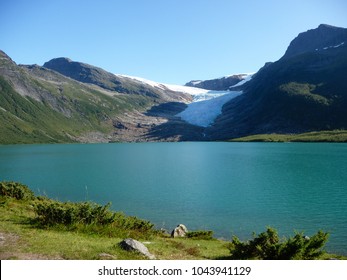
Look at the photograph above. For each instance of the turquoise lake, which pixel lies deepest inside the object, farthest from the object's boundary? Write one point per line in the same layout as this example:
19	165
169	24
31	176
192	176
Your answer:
230	188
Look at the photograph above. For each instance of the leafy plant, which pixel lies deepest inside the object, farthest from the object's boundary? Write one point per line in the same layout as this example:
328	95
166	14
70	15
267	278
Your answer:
16	190
53	212
90	218
200	234
268	246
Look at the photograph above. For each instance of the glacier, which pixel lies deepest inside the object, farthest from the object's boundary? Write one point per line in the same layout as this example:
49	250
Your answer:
206	105
203	113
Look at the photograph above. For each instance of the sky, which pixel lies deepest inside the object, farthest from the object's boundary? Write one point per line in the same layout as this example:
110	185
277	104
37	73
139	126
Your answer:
168	41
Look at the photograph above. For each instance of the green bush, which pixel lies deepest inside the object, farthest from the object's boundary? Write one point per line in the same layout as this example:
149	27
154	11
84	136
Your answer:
200	234
132	223
16	190
87	216
50	212
268	246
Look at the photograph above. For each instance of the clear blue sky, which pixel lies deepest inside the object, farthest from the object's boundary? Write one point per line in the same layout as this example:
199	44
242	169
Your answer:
171	41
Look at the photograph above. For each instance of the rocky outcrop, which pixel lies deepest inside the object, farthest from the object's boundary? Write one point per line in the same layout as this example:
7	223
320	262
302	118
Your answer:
179	231
130	244
223	83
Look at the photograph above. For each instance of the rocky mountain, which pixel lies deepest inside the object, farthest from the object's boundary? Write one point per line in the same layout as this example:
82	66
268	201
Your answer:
305	90
318	39
223	83
90	74
87	104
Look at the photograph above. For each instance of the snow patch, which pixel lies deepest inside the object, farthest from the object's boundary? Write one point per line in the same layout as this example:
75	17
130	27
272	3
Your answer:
336	46
339	45
178	88
243	75
246	78
196	82
204	113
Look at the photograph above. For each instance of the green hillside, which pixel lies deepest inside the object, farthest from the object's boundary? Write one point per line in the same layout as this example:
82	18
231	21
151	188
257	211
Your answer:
296	94
38	105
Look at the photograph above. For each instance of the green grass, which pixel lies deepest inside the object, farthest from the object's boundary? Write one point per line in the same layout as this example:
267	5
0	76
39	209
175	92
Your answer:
316	136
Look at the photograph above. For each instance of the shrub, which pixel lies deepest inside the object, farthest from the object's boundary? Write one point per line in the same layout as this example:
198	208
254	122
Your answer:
268	246
89	217
16	190
200	234
132	223
51	212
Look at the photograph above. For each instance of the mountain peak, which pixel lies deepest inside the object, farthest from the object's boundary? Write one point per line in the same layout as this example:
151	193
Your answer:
83	72
324	25
61	59
321	37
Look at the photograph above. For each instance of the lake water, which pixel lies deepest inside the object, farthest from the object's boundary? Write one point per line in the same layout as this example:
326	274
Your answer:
230	188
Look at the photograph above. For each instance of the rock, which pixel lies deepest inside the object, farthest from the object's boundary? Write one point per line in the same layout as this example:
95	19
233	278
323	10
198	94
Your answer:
179	231
130	244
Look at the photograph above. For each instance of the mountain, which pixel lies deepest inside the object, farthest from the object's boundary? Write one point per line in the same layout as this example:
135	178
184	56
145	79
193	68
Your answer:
303	91
83	103
69	101
224	83
90	74
324	36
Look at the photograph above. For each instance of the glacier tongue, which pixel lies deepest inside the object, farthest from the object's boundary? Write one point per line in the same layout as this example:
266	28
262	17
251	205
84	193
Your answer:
206	105
203	113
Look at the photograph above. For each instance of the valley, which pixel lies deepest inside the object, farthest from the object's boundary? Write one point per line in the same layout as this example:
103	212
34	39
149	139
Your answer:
68	101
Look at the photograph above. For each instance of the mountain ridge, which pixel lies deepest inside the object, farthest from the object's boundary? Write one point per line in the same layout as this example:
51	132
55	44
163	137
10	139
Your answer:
67	101
316	39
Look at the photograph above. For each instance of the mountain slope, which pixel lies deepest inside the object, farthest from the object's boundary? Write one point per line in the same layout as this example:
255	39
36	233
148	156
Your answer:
40	105
303	91
86	73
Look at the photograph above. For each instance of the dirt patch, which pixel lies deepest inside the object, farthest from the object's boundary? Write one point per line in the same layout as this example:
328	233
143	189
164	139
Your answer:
9	247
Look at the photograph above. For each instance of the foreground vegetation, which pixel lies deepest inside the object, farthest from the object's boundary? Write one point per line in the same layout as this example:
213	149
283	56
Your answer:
40	228
316	136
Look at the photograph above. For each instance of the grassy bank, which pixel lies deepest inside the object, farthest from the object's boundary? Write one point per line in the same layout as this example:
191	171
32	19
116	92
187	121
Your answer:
317	136
89	231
